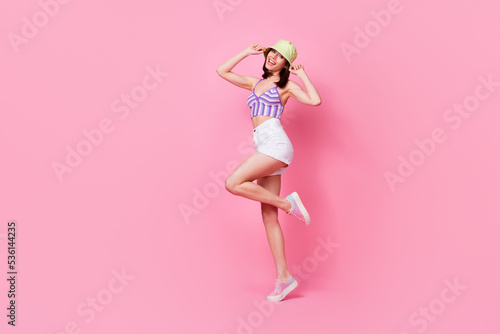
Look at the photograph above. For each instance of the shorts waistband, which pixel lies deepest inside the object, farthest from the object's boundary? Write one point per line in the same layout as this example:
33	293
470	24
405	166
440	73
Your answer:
267	123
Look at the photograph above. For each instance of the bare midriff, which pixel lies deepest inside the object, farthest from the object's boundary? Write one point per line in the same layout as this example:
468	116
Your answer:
259	119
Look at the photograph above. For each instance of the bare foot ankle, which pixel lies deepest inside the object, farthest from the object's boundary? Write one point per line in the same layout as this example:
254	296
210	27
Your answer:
288	206
284	278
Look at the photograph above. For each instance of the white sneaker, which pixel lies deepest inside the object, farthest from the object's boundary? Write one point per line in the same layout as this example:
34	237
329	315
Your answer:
281	289
298	209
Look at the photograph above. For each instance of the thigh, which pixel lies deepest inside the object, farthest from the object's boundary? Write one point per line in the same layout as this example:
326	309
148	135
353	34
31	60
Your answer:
256	166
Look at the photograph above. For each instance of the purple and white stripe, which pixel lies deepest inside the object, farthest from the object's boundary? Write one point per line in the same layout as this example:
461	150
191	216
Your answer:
268	104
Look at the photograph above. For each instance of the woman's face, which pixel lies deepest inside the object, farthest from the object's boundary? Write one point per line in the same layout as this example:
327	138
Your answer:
275	61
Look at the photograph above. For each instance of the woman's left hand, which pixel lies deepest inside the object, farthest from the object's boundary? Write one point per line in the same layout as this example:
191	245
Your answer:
296	69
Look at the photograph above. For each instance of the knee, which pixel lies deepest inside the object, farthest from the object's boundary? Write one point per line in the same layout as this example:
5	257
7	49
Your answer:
269	214
231	185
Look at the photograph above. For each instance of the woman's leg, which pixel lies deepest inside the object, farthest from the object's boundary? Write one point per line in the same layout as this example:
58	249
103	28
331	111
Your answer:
255	167
273	228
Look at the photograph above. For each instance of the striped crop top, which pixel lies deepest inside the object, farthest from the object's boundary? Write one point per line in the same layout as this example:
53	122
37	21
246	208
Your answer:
267	104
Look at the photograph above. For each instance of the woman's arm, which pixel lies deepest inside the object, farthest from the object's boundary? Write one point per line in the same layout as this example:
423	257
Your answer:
224	70
311	95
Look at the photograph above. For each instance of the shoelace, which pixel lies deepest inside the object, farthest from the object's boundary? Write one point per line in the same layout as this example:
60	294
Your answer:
276	287
293	214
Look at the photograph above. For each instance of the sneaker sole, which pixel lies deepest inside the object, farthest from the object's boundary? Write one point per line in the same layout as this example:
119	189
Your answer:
301	208
285	292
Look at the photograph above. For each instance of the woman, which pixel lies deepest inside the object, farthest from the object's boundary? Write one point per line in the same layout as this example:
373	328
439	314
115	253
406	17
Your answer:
274	151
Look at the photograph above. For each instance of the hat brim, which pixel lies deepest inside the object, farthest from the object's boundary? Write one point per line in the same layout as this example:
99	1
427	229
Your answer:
267	49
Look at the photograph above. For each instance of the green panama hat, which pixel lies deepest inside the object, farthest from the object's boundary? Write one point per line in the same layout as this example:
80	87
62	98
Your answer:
286	48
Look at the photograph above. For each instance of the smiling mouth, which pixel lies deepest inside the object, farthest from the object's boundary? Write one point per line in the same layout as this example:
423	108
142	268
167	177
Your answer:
271	62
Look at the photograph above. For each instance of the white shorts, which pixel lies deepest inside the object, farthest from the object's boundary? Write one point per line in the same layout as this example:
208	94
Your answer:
270	138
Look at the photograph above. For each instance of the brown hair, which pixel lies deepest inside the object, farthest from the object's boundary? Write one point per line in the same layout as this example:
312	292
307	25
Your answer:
284	73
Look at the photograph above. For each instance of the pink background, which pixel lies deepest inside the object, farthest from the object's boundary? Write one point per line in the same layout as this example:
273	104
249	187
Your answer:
119	210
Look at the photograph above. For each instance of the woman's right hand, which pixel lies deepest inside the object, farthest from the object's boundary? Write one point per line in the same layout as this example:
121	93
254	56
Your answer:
255	49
